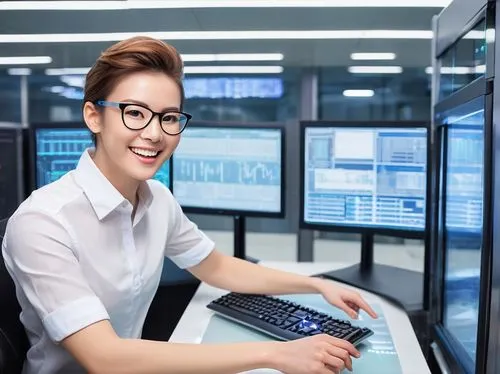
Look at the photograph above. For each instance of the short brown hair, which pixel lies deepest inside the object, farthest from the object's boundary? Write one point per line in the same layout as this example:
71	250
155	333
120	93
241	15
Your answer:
132	55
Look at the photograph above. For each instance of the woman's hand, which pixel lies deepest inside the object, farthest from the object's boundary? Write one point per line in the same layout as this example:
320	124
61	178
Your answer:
348	301
319	354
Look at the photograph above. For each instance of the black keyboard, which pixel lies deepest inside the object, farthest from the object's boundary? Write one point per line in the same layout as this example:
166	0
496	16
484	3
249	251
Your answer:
284	319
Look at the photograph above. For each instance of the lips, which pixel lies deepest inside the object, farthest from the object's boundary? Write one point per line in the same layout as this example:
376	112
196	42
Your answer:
145	152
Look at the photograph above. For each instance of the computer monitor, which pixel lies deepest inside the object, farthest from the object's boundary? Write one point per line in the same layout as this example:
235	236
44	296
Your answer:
57	147
11	166
364	177
233	169
463	240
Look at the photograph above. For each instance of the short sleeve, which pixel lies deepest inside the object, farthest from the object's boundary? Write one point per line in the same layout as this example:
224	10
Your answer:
38	254
186	245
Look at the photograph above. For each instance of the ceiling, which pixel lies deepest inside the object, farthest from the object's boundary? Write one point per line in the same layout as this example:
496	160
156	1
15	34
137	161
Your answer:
410	53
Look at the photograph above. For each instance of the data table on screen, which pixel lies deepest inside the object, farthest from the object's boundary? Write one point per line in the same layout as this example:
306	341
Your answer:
365	177
233	169
58	151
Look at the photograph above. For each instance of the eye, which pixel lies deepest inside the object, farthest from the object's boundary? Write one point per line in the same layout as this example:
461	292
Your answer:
171	118
134	113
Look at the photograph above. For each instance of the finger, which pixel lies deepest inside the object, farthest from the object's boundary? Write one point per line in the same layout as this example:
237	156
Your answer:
344	344
361	303
334	363
341	354
347	309
333	370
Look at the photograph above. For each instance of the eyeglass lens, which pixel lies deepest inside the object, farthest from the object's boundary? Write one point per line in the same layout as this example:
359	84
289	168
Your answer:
136	117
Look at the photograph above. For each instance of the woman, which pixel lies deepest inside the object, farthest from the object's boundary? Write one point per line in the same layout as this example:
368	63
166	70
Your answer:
86	251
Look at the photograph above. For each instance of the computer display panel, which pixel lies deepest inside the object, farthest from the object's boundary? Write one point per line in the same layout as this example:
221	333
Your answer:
57	149
462	203
233	169
364	177
11	161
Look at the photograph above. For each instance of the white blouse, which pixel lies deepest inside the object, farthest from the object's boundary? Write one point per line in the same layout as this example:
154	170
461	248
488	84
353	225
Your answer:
77	258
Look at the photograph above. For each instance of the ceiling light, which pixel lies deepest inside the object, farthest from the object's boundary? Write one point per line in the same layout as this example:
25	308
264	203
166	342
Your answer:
358	93
24	60
219	35
188	70
373	56
459	70
283	3
232	57
62	5
170	4
233	69
67	71
375	69
19	71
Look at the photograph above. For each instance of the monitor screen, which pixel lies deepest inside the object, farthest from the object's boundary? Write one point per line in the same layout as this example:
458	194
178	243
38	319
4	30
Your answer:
365	177
462	220
58	150
233	169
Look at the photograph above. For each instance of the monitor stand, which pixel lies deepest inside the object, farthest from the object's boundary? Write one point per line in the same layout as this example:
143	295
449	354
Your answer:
401	286
239	230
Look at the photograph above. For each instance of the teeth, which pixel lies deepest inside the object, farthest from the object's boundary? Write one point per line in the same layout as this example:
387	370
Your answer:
144	152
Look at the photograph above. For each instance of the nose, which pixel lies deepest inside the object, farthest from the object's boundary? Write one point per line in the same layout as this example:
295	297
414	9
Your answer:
153	131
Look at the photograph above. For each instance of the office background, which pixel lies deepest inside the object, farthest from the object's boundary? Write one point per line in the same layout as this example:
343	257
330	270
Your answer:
316	78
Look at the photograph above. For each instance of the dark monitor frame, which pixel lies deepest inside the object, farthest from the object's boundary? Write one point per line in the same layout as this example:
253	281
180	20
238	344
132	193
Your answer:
375	230
243	126
56	126
15	132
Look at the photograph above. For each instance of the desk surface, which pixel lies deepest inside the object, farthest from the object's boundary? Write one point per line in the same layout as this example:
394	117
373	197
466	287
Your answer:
196	317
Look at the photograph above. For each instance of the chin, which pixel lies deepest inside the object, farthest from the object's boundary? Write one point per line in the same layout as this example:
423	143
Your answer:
142	175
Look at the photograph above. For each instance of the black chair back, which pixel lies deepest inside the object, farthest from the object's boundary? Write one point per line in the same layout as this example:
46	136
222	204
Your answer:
13	340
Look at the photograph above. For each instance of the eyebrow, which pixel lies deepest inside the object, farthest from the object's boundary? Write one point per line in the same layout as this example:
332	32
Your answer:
147	106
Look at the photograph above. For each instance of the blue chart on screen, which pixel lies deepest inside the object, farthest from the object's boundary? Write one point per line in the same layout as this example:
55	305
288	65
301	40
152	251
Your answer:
464	202
365	177
58	151
229	169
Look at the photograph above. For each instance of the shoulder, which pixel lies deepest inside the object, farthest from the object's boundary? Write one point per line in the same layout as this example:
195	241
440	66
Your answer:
43	208
159	191
52	197
164	199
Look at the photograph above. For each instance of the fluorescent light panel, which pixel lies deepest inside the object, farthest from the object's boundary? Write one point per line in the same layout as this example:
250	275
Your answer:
171	4
232	57
373	56
358	93
459	70
375	69
219	35
233	69
141	4
67	71
19	71
25	60
189	70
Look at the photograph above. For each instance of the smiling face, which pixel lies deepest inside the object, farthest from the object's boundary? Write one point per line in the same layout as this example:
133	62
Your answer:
125	156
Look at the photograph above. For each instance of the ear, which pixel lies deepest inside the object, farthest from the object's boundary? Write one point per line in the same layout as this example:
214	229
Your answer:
92	117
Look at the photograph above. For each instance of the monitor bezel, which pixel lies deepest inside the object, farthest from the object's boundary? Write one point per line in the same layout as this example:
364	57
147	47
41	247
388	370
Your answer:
60	125
244	126
374	230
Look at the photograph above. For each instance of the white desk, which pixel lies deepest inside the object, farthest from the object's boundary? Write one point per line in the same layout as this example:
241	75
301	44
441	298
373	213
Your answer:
196	317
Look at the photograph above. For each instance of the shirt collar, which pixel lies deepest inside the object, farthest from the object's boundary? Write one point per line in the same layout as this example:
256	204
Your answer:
145	200
103	196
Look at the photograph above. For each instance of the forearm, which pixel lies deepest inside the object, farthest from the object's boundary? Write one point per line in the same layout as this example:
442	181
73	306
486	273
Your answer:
149	357
245	277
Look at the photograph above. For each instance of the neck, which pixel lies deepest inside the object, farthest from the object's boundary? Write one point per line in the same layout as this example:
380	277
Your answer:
127	187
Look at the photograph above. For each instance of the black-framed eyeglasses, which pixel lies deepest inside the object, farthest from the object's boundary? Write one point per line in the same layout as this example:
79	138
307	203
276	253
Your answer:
138	117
